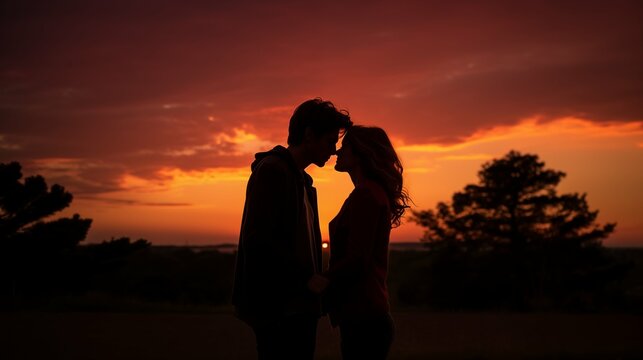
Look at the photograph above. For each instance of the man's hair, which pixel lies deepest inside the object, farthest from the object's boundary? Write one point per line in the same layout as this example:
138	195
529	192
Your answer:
320	116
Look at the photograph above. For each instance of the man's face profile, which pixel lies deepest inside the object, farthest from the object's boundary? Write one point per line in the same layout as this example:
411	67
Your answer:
323	147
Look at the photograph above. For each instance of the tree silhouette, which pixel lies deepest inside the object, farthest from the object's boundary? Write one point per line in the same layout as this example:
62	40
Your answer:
515	204
35	252
512	241
24	204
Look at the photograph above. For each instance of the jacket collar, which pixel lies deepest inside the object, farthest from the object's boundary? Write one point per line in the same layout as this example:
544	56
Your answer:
284	154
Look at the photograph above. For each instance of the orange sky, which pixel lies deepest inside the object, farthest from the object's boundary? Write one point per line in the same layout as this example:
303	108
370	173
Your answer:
150	116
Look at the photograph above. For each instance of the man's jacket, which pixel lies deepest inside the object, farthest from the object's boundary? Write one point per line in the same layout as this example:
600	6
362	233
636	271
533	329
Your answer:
275	257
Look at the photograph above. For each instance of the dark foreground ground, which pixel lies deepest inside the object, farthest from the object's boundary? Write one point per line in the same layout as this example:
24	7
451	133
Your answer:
420	335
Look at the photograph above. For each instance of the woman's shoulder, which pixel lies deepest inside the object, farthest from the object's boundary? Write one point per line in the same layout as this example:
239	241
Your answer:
370	193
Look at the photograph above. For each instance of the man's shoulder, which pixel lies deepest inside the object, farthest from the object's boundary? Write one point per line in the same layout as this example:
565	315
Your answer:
272	161
272	165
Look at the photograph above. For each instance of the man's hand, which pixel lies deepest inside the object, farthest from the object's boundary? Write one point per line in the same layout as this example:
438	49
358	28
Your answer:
318	284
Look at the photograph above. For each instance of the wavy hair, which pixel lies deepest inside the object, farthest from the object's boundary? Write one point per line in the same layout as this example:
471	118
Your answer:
380	163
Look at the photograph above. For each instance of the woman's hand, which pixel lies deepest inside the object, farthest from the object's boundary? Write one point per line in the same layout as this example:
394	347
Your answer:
317	283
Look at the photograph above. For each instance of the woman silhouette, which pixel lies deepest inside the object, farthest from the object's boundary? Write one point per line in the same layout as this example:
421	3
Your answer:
355	282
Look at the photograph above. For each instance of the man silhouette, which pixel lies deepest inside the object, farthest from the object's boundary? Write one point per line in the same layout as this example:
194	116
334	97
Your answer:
279	248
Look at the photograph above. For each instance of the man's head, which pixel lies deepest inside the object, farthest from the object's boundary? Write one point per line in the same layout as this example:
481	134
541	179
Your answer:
315	126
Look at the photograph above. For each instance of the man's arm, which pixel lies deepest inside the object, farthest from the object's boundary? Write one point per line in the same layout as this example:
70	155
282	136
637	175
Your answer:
264	207
268	229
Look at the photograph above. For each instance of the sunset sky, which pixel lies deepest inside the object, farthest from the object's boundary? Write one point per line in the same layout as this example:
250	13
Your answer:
150	112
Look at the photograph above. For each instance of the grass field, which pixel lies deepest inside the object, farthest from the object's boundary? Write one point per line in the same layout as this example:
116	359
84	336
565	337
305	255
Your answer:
419	335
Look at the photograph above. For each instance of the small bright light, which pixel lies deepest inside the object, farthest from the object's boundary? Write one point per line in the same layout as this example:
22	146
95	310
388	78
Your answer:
325	245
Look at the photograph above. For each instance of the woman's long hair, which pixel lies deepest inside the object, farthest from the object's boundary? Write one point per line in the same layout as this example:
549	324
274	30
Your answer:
380	163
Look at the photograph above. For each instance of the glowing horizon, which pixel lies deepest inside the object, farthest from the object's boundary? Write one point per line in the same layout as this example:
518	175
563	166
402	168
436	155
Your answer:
208	203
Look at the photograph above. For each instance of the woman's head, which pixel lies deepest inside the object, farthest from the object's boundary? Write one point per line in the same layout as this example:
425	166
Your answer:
370	149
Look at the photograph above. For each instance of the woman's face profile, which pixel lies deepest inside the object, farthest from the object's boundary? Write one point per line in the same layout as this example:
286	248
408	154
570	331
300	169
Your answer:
346	159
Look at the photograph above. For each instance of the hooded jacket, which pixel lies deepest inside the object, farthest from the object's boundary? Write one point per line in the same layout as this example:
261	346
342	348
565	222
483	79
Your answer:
274	257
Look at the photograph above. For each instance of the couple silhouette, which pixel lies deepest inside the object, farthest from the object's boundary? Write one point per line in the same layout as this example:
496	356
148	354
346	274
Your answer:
280	288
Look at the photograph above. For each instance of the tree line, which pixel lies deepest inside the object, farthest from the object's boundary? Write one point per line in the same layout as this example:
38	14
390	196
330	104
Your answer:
509	242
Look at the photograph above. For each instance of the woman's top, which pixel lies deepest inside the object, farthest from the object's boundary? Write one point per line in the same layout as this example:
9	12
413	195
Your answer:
359	237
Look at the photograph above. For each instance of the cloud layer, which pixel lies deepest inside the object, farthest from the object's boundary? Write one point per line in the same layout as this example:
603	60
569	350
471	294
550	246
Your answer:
92	92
